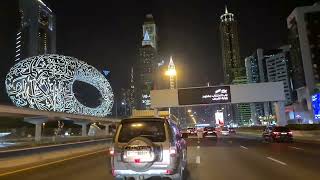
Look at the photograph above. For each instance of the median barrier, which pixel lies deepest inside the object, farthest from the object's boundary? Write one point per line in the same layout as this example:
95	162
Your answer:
24	156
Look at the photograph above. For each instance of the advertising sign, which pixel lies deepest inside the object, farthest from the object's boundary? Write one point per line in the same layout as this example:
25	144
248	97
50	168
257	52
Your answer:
219	118
204	95
316	106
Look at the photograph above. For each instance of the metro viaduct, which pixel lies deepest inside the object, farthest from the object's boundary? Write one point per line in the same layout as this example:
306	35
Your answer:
37	117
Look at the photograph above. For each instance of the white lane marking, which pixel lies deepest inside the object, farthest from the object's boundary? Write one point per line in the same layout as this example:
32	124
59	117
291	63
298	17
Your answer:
295	148
243	147
198	160
198	147
51	163
275	160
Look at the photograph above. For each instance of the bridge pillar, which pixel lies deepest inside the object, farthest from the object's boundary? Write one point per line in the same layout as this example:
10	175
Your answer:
280	113
37	121
83	124
107	129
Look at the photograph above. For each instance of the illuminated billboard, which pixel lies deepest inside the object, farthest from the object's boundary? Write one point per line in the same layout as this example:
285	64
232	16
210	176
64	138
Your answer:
219	118
204	95
316	106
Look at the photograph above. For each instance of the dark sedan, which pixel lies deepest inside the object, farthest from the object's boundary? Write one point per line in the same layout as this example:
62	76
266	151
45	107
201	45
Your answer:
277	134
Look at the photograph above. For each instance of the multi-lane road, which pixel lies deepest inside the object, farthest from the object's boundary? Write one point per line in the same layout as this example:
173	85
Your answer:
234	157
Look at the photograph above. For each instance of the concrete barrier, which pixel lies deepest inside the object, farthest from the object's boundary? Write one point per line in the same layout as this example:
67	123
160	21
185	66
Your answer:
20	157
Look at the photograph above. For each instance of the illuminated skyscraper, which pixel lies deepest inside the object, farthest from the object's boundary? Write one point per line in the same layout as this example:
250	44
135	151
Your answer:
150	27
146	68
172	73
232	65
37	32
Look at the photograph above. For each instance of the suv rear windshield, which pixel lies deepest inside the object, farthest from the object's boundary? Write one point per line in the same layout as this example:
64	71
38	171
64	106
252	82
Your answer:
281	129
153	130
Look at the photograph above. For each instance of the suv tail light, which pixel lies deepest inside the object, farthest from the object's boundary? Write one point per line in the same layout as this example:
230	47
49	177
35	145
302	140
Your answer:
290	132
276	133
173	151
169	171
111	150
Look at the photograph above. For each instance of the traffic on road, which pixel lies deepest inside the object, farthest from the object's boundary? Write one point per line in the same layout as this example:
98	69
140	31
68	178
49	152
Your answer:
156	149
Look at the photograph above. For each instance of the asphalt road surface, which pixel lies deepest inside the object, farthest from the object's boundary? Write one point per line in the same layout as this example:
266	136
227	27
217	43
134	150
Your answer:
232	157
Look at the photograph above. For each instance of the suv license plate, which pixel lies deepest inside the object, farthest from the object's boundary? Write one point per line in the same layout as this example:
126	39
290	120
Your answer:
137	153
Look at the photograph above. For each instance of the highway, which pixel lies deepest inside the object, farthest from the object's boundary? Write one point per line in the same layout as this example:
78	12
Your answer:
233	157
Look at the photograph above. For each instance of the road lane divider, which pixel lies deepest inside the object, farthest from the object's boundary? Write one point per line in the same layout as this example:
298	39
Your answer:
292	147
50	163
277	161
243	147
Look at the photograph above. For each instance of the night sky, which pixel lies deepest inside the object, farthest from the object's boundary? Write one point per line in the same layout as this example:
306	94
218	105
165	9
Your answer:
107	34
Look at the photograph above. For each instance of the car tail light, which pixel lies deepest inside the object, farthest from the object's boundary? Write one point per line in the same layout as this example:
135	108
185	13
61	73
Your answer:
276	133
173	151
113	172
290	132
111	151
169	171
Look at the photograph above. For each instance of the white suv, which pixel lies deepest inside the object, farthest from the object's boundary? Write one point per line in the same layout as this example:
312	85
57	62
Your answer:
148	147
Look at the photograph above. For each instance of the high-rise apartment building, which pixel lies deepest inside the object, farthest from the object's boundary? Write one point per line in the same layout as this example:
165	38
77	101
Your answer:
304	37
269	66
232	65
278	69
37	32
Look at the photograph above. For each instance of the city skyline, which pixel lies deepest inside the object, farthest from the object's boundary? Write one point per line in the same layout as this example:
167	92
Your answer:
200	50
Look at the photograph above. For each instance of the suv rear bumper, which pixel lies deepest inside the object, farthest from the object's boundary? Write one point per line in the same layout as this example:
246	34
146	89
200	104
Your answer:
144	175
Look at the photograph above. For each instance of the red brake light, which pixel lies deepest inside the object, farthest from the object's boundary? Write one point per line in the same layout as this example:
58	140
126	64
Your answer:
290	132
137	161
169	171
276	133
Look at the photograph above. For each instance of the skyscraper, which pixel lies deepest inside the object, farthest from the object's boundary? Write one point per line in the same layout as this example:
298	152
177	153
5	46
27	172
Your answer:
171	72
150	27
269	66
232	65
278	69
146	68
304	33
37	32
244	111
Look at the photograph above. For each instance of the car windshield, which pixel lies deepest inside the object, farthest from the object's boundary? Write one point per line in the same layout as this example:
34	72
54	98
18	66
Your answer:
153	130
281	129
